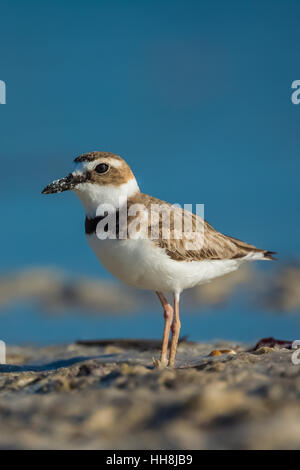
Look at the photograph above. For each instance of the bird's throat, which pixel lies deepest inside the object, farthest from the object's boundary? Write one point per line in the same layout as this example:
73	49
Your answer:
98	199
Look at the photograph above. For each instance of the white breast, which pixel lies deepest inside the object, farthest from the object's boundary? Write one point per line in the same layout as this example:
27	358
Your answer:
140	263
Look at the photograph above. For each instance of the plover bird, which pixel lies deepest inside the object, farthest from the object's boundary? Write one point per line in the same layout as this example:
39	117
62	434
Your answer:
134	240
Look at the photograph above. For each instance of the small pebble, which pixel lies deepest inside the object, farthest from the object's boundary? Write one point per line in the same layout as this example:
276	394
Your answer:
219	352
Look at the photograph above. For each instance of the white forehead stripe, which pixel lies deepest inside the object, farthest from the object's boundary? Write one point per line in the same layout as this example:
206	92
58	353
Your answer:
82	167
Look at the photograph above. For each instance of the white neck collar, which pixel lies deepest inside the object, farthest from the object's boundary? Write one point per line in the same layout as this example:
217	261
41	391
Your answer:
92	195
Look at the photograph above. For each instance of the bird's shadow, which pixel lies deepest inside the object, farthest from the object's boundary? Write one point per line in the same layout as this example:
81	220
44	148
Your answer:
58	364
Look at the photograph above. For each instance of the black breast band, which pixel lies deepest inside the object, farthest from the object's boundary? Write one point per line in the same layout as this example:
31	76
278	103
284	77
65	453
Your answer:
91	224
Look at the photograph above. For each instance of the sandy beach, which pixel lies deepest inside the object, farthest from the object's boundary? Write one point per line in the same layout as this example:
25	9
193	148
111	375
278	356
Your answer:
108	396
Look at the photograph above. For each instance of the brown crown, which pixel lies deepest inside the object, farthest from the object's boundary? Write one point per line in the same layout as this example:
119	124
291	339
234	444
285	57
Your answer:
91	156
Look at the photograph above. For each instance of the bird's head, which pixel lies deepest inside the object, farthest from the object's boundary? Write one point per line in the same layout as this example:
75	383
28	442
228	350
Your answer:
99	177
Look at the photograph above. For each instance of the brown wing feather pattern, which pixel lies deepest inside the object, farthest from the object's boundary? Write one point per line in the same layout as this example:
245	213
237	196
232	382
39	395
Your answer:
207	244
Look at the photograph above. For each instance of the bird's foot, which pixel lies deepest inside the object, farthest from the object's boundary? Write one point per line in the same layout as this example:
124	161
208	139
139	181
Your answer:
160	363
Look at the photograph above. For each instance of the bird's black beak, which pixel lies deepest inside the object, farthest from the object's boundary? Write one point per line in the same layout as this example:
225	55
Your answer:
64	184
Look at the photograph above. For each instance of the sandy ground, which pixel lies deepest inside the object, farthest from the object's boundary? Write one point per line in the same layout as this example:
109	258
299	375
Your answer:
109	397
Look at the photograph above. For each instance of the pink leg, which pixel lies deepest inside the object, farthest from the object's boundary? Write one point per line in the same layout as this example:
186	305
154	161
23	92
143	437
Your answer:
168	316
175	332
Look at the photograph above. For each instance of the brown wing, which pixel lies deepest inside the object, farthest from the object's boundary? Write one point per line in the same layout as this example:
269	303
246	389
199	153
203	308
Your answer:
212	244
200	241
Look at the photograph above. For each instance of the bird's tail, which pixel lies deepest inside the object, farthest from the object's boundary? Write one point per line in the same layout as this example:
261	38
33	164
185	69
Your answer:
269	255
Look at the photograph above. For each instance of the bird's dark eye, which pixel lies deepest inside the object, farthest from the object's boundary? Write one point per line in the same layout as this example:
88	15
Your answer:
102	168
